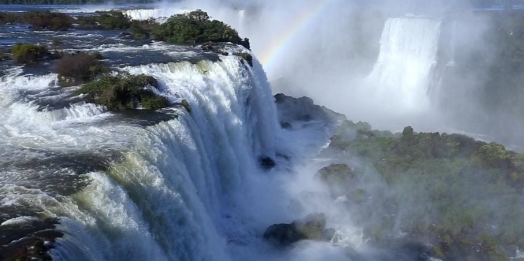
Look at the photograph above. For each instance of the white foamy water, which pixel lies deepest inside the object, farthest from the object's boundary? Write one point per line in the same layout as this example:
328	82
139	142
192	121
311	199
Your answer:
403	74
190	188
144	14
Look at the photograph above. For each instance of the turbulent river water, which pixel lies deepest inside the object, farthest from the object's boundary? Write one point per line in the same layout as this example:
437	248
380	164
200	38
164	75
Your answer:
179	184
169	185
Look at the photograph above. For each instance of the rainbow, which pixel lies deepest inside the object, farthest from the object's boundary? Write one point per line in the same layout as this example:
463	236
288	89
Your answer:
270	55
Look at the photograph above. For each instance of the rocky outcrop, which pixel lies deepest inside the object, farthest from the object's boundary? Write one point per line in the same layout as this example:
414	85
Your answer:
312	227
29	240
266	162
294	112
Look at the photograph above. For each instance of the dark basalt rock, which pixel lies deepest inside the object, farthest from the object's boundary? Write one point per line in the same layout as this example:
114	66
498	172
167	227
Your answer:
67	81
266	162
286	125
125	35
207	46
312	227
29	240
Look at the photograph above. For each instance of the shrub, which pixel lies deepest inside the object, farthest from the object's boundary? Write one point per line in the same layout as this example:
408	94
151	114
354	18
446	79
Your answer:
122	92
108	20
8	18
143	29
87	22
45	20
113	20
460	194
28	53
493	155
194	28
78	68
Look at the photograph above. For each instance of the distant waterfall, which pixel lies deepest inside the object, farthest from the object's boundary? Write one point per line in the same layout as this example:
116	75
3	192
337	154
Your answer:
403	73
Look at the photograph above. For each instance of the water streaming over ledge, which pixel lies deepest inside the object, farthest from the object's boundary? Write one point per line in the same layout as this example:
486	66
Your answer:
403	75
174	182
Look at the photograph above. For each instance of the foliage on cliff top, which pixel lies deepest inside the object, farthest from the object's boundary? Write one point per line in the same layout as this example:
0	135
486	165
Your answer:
124	92
461	195
196	27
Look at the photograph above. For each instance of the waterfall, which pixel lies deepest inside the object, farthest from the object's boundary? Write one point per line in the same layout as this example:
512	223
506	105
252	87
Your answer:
144	14
173	188
403	73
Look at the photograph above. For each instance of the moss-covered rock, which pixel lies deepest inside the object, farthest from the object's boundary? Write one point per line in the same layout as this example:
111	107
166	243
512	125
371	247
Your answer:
30	240
124	92
247	57
312	227
28	53
79	68
186	105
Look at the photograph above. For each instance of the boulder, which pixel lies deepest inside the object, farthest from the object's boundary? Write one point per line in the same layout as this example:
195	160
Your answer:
209	46
312	227
266	162
125	35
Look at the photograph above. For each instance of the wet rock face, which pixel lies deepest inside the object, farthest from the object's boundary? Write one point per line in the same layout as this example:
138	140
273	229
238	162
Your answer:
29	240
266	162
312	227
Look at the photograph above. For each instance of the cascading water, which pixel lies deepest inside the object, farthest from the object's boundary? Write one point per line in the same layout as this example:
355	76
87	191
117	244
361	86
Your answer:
403	74
176	186
144	14
189	186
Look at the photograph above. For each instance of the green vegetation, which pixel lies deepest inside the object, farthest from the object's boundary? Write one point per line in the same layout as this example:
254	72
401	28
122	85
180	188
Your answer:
108	20
195	28
45	20
186	105
124	92
28	53
459	194
247	57
113	20
142	29
79	68
39	20
8	18
191	28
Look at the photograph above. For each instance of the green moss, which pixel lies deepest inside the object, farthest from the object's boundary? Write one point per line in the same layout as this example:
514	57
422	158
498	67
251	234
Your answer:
247	57
336	173
186	105
153	102
124	92
447	189
28	53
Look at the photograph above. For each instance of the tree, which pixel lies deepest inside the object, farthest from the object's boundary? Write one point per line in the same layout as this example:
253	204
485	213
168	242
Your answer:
198	15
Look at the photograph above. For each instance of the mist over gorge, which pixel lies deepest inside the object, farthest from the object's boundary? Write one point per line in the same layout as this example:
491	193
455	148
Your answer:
339	130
